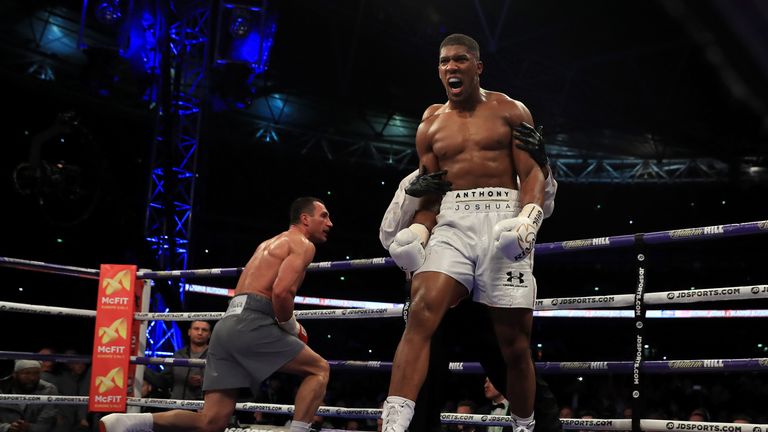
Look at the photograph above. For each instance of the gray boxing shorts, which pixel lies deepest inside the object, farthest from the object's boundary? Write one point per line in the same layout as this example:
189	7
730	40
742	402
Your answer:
247	345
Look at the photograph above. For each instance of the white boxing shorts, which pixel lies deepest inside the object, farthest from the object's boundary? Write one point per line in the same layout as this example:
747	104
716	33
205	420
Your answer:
462	246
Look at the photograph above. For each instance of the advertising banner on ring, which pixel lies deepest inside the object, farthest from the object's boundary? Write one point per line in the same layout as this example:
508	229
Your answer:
112	338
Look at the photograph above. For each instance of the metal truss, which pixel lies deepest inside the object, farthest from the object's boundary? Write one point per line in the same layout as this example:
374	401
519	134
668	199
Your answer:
44	43
180	90
376	137
387	139
638	170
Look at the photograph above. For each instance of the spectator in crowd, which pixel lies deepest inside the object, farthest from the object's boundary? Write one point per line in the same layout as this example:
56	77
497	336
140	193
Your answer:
49	368
153	387
186	383
699	415
23	417
566	412
75	381
465	406
498	404
741	418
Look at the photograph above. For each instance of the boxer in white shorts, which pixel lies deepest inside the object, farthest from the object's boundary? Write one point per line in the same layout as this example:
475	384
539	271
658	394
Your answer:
469	138
398	216
401	209
462	246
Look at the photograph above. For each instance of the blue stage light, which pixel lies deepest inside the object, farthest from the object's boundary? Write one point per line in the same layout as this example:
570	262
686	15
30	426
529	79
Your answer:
108	12
240	26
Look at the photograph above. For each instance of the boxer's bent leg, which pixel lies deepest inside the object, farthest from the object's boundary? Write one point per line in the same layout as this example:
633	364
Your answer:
311	392
217	410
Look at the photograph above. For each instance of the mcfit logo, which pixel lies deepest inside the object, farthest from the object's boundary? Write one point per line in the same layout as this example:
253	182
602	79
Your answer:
511	276
118	328
121	281
115	377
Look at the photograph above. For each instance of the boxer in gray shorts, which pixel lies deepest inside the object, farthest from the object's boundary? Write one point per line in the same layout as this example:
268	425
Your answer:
257	336
249	345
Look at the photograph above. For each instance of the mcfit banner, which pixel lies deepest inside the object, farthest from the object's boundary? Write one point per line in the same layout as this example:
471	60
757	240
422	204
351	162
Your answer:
112	338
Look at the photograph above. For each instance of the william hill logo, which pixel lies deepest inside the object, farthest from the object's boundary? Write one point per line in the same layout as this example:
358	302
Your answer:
692	364
575	244
695	232
584	365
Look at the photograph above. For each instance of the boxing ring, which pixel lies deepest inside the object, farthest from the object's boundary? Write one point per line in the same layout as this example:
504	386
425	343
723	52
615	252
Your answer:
573	307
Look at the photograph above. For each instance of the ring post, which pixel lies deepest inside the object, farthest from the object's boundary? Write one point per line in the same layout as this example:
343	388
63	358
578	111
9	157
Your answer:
638	397
139	343
113	332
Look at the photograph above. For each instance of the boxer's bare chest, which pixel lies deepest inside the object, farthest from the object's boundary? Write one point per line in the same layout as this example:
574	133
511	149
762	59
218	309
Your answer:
454	133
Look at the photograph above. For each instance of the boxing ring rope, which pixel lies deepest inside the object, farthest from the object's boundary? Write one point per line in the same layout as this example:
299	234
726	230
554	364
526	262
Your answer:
21	264
551	368
648	425
658	237
672	366
639	300
560	303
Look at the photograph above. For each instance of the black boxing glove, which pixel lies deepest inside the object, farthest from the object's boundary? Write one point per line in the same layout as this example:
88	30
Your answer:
532	142
425	184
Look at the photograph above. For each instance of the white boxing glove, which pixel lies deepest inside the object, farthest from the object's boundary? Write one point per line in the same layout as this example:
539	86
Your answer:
515	237
408	248
293	327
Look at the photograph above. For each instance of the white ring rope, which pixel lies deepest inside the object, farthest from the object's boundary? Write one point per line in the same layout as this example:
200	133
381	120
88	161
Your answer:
372	413
656	298
620	300
194	316
45	310
300	314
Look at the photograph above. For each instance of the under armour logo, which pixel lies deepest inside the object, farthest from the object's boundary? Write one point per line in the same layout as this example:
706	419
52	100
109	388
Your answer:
519	277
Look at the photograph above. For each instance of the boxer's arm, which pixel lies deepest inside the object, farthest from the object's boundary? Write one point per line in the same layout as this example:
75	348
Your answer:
427	212
289	277
429	184
532	141
399	213
550	190
430	204
531	177
515	237
408	247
